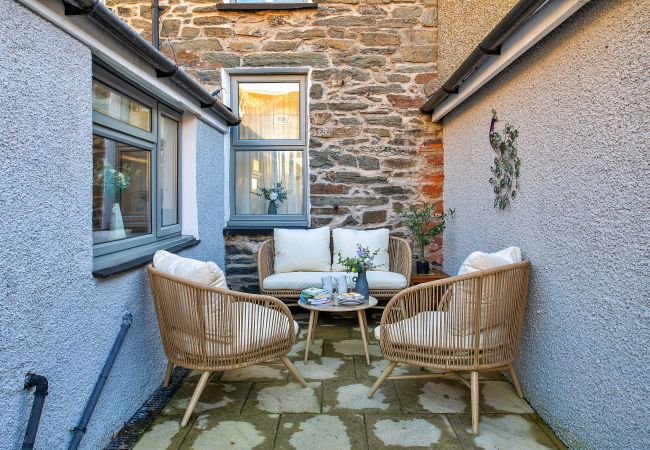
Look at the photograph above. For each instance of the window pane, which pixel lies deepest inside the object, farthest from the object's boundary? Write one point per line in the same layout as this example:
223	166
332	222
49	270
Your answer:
257	177
168	171
121	190
114	105
269	110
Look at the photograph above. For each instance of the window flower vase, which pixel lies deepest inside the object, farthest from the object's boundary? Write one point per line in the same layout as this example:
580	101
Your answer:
361	284
116	229
273	208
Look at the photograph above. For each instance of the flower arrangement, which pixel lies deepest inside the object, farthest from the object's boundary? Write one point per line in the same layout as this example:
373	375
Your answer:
363	260
505	172
105	173
276	194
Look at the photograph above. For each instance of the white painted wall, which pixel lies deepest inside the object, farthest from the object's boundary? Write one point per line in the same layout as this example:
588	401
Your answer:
580	100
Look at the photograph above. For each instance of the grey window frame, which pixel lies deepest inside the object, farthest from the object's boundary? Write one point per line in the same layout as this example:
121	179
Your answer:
117	252
252	221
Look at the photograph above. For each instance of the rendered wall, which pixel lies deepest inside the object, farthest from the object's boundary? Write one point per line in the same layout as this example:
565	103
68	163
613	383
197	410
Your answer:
55	318
580	102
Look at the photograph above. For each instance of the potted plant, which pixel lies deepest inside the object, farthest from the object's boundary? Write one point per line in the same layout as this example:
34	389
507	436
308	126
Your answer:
424	224
275	195
360	263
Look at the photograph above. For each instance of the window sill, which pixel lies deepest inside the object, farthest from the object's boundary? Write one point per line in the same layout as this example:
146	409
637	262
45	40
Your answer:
114	263
264	6
235	230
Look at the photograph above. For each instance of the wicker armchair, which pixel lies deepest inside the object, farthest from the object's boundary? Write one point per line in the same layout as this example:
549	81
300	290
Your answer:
210	329
468	323
399	252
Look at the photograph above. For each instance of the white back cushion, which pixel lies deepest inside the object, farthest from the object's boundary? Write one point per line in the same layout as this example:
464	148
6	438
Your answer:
302	250
467	293
346	240
481	261
207	273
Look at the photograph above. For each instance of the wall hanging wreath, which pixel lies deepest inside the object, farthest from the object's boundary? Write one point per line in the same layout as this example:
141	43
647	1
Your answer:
505	171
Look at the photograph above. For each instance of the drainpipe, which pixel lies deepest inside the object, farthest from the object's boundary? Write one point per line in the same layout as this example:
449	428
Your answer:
40	382
80	429
155	24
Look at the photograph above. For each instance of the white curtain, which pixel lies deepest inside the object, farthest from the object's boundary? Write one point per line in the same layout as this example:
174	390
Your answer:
263	169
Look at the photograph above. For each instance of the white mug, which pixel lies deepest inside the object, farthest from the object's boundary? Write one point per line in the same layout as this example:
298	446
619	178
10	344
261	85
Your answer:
341	284
327	283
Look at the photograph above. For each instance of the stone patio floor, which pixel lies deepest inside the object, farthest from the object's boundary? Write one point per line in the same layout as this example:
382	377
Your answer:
262	407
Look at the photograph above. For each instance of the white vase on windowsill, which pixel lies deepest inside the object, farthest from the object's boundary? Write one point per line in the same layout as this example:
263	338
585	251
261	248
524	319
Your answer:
116	229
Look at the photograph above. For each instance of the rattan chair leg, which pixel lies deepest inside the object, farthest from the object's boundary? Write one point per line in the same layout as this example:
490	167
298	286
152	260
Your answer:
203	381
475	397
515	381
287	362
385	374
168	373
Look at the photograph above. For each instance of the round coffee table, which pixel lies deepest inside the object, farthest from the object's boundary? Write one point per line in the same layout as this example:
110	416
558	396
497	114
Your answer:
361	314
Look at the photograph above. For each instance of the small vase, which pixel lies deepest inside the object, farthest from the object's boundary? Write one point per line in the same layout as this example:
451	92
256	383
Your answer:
361	285
273	208
422	267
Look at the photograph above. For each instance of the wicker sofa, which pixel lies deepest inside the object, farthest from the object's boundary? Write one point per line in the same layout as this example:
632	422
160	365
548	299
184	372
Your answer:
383	285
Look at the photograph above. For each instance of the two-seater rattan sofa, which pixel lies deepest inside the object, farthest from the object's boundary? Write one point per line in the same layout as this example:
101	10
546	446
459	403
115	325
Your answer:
287	285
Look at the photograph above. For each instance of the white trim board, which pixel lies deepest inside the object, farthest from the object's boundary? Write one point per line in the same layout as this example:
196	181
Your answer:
111	52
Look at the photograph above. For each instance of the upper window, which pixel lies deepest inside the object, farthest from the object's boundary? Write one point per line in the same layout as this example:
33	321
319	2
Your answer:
269	151
136	158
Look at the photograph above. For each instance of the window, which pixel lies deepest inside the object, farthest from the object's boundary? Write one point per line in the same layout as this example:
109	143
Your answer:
269	151
136	162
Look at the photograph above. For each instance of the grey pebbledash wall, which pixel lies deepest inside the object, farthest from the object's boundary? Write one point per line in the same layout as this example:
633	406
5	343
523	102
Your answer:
55	318
580	102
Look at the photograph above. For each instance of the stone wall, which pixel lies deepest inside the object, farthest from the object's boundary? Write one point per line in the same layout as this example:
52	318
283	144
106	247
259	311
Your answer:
373	64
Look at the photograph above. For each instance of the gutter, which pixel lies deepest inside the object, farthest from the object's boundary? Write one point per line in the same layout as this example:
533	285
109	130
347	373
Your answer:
525	25
165	67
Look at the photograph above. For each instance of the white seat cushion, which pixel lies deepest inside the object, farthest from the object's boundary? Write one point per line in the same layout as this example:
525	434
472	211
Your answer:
250	326
207	273
432	329
302	250
297	281
346	240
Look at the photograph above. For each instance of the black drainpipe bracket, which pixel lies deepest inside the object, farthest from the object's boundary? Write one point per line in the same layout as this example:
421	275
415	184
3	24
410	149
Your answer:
38	381
74	10
495	52
161	74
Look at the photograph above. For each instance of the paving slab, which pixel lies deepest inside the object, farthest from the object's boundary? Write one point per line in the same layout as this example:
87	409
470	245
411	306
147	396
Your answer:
165	433
218	396
501	431
326	368
435	395
257	373
322	432
284	397
350	347
411	431
352	396
230	431
500	396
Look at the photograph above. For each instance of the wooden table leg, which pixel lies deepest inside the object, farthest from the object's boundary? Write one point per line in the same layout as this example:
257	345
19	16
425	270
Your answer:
312	325
364	332
313	333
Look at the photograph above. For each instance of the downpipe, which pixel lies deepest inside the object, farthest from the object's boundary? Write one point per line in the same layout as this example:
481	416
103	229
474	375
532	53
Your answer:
80	429
40	383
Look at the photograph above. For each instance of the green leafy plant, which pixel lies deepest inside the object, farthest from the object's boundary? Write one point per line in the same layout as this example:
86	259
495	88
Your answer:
362	261
505	171
424	223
